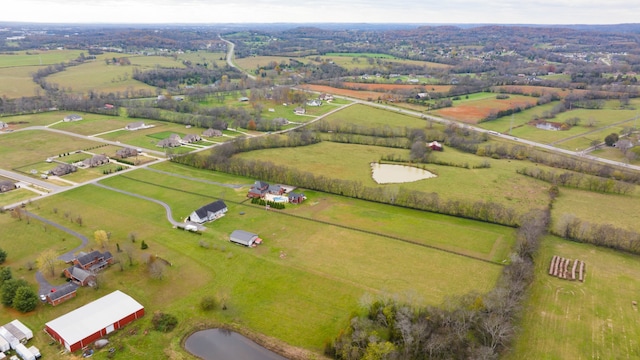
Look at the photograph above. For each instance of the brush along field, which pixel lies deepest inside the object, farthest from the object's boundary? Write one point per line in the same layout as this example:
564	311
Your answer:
594	319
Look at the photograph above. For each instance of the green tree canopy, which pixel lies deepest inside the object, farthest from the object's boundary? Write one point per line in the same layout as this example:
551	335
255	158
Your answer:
9	289
3	256
25	300
5	274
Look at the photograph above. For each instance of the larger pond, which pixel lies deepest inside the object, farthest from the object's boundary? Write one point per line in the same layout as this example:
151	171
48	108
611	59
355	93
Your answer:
222	344
390	173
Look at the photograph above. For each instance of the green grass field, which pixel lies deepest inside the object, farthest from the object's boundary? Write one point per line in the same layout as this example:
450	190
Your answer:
372	117
17	82
37	57
321	278
574	320
92	124
28	147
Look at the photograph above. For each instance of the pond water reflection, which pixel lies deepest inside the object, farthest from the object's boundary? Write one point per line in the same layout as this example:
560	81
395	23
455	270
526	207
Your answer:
390	173
222	344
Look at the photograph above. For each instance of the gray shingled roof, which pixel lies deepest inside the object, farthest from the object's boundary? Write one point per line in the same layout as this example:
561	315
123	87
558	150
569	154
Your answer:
213	208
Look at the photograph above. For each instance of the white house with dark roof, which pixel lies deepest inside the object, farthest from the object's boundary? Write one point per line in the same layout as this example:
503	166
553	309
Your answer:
136	126
209	212
72	117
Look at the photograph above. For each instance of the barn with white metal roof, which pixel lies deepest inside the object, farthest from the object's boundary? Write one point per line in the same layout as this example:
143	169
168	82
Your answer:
86	324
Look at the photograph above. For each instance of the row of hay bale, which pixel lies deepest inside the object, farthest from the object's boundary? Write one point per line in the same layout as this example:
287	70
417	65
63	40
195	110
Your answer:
566	269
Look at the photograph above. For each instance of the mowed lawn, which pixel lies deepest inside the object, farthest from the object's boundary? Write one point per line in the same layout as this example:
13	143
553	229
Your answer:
371	117
27	147
573	320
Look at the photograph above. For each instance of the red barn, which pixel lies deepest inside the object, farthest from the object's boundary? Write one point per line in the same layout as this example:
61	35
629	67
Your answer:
84	325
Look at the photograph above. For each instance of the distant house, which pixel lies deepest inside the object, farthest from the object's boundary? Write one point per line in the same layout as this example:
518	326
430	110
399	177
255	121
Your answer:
62	294
296	198
209	212
172	141
434	145
96	160
243	99
314	103
80	276
136	126
109	106
6	185
94	261
245	238
126	152
191	138
72	117
3	125
63	169
325	97
211	132
422	95
300	110
545	125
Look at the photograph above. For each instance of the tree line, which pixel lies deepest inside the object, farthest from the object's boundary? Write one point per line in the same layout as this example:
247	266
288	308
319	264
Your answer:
578	180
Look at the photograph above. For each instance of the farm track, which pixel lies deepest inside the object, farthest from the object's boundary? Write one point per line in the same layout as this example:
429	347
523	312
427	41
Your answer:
243	203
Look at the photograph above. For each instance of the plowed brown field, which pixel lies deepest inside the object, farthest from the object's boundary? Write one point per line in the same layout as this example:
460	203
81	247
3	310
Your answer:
475	111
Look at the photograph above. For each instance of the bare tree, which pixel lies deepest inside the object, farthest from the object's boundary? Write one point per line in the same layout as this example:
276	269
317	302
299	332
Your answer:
47	261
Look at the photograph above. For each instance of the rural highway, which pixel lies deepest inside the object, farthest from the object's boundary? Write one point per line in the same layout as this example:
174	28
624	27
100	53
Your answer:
230	54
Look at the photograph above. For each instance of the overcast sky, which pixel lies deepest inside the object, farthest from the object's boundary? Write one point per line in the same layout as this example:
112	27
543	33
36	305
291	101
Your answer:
314	11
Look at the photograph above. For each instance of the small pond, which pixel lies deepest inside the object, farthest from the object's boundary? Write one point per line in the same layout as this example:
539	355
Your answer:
222	344
390	173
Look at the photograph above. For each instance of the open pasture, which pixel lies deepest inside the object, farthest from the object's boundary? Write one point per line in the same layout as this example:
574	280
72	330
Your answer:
360	60
31	146
37	57
252	63
15	196
573	320
92	124
38	119
205	57
500	183
17	82
326	274
371	117
598	208
99	77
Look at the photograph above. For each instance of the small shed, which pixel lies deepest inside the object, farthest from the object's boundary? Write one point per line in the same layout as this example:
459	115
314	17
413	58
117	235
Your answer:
245	238
434	145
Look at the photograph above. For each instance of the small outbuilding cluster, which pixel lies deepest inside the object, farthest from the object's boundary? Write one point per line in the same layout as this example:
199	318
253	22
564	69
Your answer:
14	336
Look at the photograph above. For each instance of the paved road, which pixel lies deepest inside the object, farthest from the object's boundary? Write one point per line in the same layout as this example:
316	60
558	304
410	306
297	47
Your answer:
44	287
30	180
230	54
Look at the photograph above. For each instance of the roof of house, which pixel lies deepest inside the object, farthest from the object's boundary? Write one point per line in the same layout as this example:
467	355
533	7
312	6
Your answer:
213	207
136	124
212	132
87	258
62	291
260	184
293	195
94	316
79	273
243	236
7	183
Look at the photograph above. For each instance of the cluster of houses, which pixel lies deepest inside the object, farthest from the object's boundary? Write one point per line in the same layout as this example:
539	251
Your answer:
174	140
82	272
14	336
263	190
